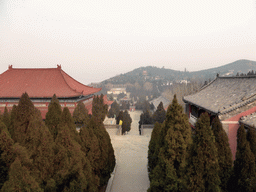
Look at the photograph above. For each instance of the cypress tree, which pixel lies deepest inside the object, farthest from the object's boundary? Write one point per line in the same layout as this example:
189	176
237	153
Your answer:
251	137
224	153
6	144
99	109
244	165
127	120
174	151
6	118
72	168
204	167
25	112
53	116
80	114
67	120
13	120
153	147
107	157
114	110
160	114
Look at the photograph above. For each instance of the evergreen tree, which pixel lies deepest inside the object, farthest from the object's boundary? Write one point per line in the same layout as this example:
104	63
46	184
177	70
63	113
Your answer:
145	118
127	120
53	116
6	118
224	153
203	166
72	168
13	119
80	114
244	165
153	147
6	144
160	114
107	157
114	110
25	112
251	137
174	153
90	146
67	120
99	109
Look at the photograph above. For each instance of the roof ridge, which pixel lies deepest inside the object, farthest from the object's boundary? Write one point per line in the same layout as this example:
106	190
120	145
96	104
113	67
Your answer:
67	82
76	82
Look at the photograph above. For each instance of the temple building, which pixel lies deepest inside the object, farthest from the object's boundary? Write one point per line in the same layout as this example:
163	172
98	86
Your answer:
41	84
232	99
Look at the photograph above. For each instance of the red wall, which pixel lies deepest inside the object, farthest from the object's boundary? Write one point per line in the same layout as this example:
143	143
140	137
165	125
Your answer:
232	129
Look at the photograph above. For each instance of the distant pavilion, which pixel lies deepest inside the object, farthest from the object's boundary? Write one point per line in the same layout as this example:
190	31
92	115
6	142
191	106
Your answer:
41	84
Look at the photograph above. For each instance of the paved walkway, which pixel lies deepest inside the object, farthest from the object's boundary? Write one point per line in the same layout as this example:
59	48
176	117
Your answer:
131	154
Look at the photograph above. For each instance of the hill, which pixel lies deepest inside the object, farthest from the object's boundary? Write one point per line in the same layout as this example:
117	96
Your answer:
151	73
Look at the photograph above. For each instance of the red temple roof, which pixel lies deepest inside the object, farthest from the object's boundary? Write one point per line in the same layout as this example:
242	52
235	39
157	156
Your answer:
41	83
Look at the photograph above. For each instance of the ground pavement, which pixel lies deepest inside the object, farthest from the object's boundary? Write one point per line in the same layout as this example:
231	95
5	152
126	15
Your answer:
131	159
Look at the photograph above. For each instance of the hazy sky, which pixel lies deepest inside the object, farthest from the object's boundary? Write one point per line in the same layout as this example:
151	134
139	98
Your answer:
94	40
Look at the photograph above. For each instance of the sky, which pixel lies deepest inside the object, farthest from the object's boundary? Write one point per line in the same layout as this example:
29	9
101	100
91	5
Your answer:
94	40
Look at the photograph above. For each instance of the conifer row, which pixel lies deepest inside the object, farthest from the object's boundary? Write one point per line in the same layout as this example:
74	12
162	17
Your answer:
52	155
184	159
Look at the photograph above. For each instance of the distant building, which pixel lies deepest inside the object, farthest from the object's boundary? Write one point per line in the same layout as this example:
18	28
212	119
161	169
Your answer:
117	91
41	84
232	99
158	100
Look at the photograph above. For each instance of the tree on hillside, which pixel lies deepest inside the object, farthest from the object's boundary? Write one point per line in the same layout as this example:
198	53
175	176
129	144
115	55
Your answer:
160	114
224	153
169	174
203	172
114	110
53	116
244	165
80	114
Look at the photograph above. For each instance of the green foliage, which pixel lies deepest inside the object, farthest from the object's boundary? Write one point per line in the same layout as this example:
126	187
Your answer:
127	120
13	119
99	109
224	153
244	165
25	112
145	118
153	147
160	114
107	158
203	172
251	138
6	118
53	116
114	110
20	179
67	120
80	114
174	152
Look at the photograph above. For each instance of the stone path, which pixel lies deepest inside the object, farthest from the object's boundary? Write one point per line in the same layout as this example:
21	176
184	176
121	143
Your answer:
131	155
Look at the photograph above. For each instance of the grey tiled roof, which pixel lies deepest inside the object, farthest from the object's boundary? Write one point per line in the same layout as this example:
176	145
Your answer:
249	120
157	101
225	94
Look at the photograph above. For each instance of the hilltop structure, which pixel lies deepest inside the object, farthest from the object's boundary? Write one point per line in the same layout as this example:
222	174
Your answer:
229	98
41	84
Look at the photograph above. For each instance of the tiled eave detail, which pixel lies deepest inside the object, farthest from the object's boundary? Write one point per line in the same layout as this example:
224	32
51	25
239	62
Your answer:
48	99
